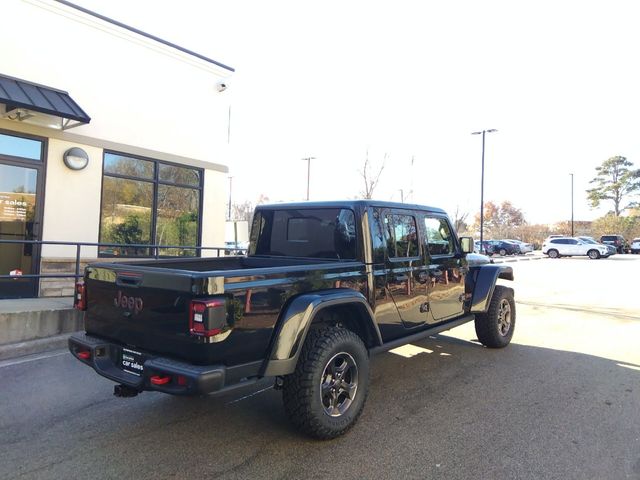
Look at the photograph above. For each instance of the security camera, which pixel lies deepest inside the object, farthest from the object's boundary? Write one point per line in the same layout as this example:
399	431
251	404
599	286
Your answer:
222	86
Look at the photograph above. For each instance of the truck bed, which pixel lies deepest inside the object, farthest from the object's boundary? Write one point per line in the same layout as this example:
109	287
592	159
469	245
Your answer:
160	291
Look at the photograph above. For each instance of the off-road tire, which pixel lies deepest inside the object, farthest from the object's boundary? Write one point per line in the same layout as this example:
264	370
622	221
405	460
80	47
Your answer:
495	327
302	390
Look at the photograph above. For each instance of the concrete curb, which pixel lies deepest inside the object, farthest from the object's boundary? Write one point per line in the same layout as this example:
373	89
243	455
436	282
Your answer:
30	347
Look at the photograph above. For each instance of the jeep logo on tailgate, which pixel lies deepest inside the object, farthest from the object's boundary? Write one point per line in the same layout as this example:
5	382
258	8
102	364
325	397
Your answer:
133	304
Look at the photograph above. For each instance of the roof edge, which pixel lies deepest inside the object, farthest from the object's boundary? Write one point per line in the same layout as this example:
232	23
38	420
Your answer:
144	34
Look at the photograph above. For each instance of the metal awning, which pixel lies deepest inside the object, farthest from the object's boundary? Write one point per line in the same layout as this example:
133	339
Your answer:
33	103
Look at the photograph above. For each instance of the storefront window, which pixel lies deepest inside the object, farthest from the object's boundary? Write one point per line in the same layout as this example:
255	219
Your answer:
20	147
148	202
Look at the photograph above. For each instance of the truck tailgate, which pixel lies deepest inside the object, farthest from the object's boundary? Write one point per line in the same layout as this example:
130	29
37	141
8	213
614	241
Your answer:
143	309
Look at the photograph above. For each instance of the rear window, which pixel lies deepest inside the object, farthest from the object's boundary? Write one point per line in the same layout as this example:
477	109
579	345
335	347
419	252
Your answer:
310	233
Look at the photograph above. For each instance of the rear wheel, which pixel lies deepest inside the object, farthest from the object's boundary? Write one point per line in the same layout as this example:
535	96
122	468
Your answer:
326	393
502	252
553	254
593	254
495	327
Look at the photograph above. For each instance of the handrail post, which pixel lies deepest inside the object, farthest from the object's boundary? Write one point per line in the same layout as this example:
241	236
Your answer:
78	246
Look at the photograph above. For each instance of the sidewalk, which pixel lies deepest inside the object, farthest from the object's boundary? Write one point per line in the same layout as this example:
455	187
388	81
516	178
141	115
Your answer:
35	325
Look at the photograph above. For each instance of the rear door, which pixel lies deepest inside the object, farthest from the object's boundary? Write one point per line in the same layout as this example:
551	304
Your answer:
405	266
446	266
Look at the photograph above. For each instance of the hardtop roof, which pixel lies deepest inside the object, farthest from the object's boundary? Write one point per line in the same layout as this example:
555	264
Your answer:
359	204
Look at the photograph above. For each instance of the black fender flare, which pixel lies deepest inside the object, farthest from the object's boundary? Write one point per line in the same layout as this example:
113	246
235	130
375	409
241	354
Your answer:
485	282
296	319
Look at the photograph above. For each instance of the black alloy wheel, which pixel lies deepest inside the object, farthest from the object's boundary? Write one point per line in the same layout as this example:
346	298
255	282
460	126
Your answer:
326	393
495	327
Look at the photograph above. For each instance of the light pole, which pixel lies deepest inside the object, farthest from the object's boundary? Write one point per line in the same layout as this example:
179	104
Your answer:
308	160
483	132
401	195
571	204
230	185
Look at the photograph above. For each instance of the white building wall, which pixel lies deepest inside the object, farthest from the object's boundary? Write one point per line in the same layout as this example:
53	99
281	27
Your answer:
72	206
136	90
143	97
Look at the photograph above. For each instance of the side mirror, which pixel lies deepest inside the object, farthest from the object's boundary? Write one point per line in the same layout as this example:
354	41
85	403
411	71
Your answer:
466	243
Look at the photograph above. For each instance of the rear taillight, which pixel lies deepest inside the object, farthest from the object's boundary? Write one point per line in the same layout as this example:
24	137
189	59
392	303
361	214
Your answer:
80	299
84	354
207	317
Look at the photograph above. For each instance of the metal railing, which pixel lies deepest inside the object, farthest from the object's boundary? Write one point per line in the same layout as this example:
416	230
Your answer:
78	258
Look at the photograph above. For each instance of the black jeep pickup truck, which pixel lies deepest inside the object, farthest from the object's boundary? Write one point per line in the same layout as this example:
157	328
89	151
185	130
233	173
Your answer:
323	287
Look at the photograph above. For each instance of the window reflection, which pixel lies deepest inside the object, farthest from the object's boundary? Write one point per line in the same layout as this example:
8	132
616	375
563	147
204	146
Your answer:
126	215
127	166
402	240
180	175
20	147
177	219
439	238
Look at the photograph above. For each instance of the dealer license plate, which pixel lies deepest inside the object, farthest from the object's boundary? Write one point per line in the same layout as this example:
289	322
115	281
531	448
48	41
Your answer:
132	361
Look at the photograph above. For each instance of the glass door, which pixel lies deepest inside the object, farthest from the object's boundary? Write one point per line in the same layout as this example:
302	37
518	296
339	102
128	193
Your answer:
21	171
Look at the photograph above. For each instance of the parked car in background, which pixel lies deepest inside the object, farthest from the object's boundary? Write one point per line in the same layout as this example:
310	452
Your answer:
635	245
236	248
524	246
617	241
503	248
612	250
487	248
570	246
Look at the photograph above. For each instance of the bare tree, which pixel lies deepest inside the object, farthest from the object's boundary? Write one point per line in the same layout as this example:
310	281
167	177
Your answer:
370	178
460	220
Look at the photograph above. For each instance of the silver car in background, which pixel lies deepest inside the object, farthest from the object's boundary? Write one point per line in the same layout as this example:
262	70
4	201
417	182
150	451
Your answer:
612	250
524	246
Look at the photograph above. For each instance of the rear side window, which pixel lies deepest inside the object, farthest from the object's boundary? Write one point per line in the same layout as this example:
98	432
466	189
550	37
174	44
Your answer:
439	238
311	233
401	236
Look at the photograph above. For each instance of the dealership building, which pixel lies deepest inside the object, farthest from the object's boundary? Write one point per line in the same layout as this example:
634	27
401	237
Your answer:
107	135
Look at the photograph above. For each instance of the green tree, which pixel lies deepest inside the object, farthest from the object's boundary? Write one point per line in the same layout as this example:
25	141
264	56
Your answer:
615	181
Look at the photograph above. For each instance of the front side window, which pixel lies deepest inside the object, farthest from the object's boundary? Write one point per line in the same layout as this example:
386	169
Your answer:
438	236
149	202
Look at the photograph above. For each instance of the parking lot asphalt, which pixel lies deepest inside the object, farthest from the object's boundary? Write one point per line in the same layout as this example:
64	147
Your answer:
561	402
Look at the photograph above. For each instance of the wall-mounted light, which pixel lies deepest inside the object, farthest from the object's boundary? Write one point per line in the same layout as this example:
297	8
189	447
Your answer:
75	158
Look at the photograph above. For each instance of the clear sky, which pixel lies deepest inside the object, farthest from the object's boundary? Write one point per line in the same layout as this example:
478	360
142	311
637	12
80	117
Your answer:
335	79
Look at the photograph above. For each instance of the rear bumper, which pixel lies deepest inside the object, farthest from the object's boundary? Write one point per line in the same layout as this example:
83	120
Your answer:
184	378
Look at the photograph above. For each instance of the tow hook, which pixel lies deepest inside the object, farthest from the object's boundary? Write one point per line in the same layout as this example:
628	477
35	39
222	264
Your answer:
279	383
124	391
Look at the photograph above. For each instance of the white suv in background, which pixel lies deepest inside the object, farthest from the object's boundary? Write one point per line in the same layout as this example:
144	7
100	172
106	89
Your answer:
635	245
570	246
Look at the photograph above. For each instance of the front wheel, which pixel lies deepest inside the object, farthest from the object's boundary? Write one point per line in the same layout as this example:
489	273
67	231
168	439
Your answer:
502	252
495	327
593	254
326	393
